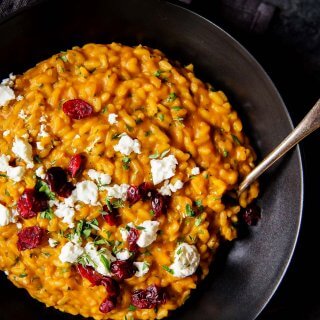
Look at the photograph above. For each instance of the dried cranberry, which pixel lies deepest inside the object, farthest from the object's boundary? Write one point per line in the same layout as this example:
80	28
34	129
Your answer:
251	214
148	298
76	165
30	237
30	203
58	181
107	305
122	269
90	274
77	109
66	190
110	216
56	178
159	204
133	194
145	190
111	286
132	239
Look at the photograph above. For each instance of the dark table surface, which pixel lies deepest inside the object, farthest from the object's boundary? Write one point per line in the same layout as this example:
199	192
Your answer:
285	38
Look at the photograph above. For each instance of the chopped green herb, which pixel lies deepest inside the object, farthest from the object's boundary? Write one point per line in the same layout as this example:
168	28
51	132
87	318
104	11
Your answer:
161	116
6	192
236	139
116	136
164	153
3	175
119	203
147	253
206	176
140	228
148	133
179	251
151	213
126	163
154	156
41	186
199	205
177	108
132	308
172	96
225	153
168	269
109	205
105	261
37	159
198	221
22	275
145	266
189	211
99	241
47	254
63	57
47	214
158	73
104	110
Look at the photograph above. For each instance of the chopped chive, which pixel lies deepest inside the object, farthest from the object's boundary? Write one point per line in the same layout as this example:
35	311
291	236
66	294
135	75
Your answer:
161	116
236	139
105	262
177	108
154	156
140	228
164	153
189	211
198	221
148	133
132	308
22	275
168	269
47	214
158	73
116	136
172	96
126	163
37	159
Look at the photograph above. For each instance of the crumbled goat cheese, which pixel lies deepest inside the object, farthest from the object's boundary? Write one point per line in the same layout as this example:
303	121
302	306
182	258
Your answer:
126	145
162	169
9	81
64	211
70	252
97	258
168	188
186	260
148	233
101	178
23	150
19	97
123	254
40	172
5	216
86	192
112	118
22	115
52	243
42	132
142	268
124	232
6	133
13	173
19	225
195	171
118	191
6	95
40	146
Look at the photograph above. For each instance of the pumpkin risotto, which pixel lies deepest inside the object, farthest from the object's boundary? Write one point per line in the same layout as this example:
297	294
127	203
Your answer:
113	165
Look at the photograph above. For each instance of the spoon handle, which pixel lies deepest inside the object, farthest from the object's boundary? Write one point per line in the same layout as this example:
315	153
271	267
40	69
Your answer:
309	123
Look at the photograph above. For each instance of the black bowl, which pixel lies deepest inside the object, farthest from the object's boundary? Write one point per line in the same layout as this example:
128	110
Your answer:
241	286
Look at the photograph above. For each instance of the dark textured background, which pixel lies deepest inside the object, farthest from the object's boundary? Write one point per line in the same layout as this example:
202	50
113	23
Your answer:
284	36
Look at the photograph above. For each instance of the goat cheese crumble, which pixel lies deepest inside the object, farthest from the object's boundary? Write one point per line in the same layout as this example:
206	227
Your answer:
118	191
186	260
101	178
162	169
70	252
127	145
112	118
142	268
167	189
23	149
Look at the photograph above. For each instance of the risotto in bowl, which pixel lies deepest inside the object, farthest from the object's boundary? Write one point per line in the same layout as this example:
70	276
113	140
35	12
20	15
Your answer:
114	163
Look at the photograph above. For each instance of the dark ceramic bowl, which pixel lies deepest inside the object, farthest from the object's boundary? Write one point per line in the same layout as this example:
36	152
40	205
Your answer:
241	282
